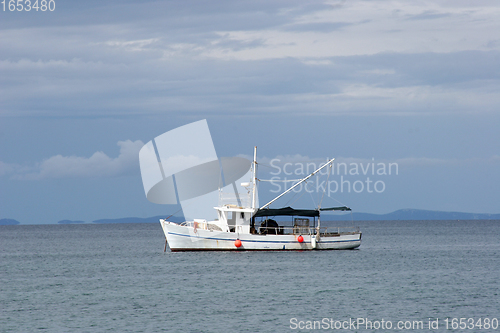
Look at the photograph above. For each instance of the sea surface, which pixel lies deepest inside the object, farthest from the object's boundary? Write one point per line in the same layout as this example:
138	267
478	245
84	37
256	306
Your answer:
116	278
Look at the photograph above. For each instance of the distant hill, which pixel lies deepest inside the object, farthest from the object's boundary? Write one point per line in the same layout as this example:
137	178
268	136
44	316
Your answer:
154	219
402	214
413	214
70	222
9	222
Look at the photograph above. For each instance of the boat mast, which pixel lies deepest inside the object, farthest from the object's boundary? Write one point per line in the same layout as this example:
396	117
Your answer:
254	177
297	184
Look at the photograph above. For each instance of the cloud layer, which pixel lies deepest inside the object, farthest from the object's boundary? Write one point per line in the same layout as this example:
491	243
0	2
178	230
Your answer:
412	82
97	165
329	58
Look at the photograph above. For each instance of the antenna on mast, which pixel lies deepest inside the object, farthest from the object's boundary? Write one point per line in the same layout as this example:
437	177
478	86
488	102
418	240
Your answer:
254	177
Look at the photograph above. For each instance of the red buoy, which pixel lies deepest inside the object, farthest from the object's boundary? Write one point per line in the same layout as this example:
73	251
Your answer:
300	239
237	243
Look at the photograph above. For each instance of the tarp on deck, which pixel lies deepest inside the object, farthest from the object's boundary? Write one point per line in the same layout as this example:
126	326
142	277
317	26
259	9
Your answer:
289	211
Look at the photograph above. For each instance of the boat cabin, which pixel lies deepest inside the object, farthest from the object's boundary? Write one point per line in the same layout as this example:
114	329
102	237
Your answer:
232	218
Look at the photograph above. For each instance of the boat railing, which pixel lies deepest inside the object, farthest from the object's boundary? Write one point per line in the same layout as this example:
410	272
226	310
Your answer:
279	230
333	231
304	230
187	224
201	224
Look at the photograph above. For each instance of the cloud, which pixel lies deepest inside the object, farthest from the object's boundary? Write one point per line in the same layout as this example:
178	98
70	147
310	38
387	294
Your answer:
97	165
339	57
428	15
9	168
317	26
366	28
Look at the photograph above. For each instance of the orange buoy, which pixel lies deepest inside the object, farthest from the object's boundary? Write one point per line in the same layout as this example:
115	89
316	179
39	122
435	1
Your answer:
237	243
300	239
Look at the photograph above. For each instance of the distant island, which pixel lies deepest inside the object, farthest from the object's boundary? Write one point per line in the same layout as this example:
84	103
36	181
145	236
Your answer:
154	219
70	222
401	214
9	222
414	214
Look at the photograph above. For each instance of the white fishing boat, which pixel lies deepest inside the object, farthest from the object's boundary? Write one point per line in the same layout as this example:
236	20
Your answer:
245	227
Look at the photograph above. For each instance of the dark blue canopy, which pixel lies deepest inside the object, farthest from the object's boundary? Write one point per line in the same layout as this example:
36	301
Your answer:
289	211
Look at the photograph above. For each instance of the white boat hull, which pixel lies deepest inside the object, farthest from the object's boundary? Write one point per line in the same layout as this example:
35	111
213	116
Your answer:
186	238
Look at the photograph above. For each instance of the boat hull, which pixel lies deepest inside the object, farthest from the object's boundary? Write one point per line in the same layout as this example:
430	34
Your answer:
185	238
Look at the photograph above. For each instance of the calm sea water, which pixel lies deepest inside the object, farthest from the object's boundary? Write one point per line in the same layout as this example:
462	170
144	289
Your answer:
97	278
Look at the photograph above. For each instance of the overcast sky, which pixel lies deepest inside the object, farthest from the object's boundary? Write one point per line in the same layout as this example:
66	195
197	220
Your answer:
414	83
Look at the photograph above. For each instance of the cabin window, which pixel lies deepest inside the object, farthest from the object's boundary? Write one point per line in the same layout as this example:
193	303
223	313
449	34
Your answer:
242	216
